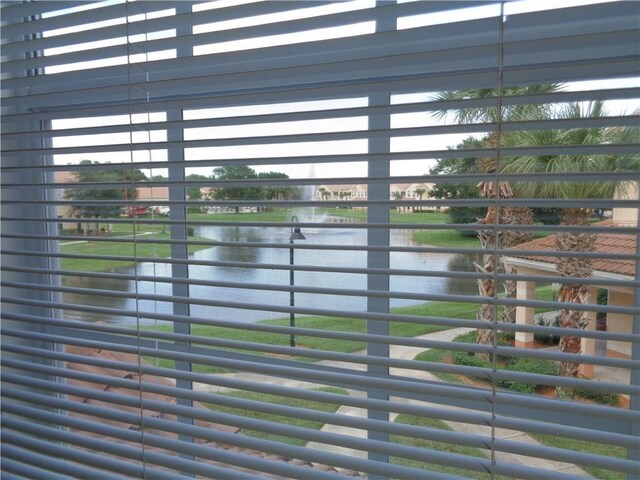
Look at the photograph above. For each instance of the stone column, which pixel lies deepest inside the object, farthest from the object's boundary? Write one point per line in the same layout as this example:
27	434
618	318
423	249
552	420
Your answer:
525	290
588	345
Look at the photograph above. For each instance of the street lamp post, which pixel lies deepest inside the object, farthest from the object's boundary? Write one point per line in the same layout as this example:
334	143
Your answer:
296	234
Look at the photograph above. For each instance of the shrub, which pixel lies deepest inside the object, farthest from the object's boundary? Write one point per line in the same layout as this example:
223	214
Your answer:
506	338
534	365
528	365
520	387
603	296
597	396
469	337
469	360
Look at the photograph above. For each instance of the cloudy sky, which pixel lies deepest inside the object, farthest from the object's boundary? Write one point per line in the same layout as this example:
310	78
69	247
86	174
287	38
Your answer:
433	142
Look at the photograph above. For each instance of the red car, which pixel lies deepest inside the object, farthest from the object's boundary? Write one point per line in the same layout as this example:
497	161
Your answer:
137	211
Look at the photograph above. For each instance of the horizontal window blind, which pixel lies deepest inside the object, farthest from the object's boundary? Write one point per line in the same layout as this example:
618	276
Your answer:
320	239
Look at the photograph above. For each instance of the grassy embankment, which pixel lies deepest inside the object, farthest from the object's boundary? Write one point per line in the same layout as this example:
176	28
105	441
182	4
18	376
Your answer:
270	216
437	238
118	249
145	232
443	310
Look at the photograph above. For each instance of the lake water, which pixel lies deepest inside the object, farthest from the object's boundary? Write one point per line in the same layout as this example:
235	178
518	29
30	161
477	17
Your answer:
257	276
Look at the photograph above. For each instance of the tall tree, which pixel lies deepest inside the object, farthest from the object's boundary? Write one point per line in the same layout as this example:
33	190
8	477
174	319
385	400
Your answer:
578	268
455	190
492	239
194	193
240	172
127	191
276	191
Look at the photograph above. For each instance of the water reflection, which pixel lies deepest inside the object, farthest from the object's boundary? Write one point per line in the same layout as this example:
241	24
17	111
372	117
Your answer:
252	274
462	263
110	284
234	234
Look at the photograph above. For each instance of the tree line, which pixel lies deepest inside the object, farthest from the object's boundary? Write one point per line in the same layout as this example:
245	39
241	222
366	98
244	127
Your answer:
95	196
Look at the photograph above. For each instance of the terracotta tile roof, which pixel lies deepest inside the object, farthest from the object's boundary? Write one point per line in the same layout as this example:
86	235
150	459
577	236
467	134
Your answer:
64	176
122	423
605	243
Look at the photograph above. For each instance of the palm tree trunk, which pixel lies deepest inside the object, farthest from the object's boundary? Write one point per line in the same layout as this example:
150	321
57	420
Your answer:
486	288
490	240
519	216
577	292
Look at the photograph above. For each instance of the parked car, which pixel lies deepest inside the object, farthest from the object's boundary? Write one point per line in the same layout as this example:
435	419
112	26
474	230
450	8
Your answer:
164	210
137	211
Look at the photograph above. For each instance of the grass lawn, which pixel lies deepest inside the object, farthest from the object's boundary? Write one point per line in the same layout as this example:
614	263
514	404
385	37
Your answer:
270	216
445	238
280	400
332	408
588	447
549	440
436	238
396	217
438	446
402	329
116	230
117	249
465	311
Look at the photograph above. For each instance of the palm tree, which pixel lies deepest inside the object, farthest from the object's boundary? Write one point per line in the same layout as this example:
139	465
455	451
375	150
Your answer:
568	241
489	239
420	192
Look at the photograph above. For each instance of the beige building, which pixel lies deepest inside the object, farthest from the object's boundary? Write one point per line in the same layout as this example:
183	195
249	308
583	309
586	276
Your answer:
605	269
358	192
340	192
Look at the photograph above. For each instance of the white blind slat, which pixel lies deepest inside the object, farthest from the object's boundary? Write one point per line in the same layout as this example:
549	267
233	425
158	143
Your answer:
305	298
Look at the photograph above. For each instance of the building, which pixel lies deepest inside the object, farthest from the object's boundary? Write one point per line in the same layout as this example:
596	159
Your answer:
153	195
603	268
358	192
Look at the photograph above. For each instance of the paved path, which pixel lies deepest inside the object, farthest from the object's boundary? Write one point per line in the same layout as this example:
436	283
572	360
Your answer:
409	353
75	242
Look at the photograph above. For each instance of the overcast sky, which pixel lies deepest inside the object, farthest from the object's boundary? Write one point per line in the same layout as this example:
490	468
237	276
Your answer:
434	142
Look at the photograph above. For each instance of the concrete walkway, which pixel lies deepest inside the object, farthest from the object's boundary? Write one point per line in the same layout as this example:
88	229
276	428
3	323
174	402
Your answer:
408	353
75	242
